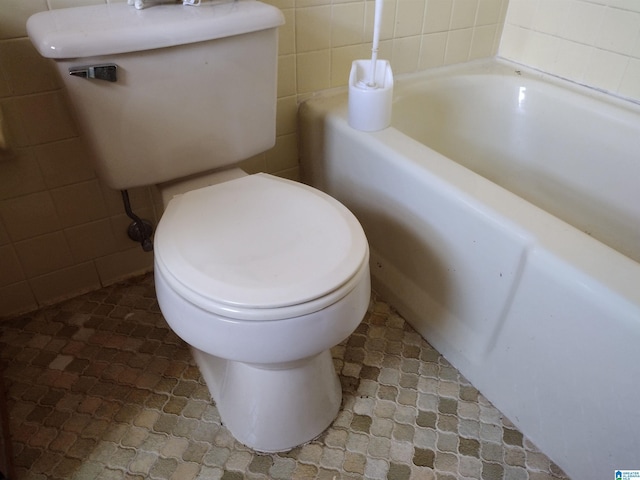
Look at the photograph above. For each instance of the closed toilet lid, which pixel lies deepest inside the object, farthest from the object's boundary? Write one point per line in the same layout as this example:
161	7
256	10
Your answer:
258	242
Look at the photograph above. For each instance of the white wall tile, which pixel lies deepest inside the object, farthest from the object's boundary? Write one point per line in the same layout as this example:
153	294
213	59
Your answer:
286	115
284	155
550	16
313	28
13	19
432	50
630	83
405	54
11	271
79	203
606	70
20	175
26	71
56	286
617	27
44	254
489	12
287	33
347	24
583	23
482	45
313	71
286	75
588	41
409	18
437	17
458	46
572	60
118	266
463	14
45	117
17	298
29	216
521	13
64	162
88	240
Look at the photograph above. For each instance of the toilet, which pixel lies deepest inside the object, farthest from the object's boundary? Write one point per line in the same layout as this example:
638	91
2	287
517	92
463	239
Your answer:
260	275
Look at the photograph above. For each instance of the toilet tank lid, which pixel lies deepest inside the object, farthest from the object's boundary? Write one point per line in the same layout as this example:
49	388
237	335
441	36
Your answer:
114	28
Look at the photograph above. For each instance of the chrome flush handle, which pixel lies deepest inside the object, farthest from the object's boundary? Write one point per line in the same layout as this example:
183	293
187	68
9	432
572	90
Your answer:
106	71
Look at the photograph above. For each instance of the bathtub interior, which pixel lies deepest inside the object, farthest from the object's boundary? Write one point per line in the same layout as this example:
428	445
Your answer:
541	317
545	144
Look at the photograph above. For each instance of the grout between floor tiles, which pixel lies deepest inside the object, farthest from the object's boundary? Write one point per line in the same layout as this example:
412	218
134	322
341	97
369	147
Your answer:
99	387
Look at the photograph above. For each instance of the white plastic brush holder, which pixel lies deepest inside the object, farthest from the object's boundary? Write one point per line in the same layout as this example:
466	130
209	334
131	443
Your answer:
370	105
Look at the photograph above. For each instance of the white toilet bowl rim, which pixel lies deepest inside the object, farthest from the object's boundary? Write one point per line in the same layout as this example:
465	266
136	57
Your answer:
265	342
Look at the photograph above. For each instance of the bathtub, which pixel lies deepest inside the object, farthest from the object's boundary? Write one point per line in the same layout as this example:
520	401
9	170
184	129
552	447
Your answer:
503	212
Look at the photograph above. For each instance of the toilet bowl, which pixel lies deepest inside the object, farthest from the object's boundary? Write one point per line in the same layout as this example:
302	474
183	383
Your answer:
262	276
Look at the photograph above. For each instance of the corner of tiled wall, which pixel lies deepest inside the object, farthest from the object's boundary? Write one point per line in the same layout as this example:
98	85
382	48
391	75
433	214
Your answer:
592	42
63	233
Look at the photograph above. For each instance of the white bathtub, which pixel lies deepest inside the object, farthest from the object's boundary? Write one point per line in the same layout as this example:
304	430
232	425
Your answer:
503	212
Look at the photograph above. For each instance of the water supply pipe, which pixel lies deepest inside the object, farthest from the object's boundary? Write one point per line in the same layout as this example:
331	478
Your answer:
140	230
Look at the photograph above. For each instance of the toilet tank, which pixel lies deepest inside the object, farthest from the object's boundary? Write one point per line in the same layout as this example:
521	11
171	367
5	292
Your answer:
195	86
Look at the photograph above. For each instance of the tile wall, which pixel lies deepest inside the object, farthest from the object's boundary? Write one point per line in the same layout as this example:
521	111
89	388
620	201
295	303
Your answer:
593	42
63	233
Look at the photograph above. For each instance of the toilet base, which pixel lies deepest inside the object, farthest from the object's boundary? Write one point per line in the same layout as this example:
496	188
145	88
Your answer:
273	408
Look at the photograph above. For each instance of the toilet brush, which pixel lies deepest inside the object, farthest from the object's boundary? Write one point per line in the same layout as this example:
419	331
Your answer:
371	86
377	18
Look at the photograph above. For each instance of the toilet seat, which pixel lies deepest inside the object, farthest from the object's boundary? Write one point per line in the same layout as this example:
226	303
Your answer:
260	248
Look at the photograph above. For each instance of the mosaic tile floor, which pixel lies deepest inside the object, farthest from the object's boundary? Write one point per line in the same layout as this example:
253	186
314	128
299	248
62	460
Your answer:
100	388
